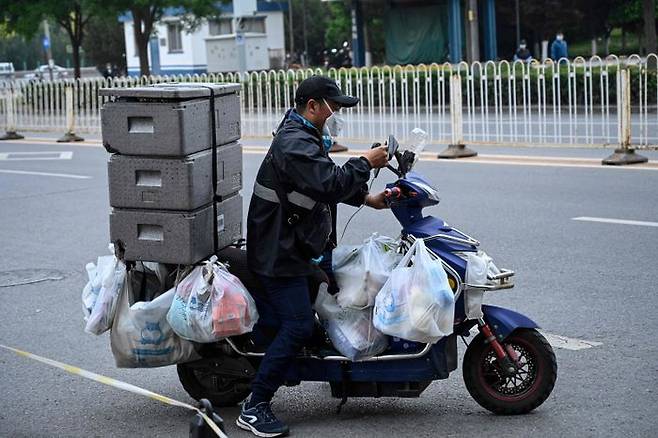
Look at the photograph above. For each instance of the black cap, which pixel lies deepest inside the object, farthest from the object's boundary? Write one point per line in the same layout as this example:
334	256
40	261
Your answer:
322	87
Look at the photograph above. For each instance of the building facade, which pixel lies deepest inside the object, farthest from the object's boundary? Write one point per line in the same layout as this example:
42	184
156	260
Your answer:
173	49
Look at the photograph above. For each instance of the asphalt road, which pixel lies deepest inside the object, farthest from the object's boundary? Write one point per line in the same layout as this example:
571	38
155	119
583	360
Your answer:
586	280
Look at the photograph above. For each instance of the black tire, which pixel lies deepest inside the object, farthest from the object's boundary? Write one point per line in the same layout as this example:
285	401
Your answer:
205	382
519	394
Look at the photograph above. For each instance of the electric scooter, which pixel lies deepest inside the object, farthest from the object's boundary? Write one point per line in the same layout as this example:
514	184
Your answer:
508	368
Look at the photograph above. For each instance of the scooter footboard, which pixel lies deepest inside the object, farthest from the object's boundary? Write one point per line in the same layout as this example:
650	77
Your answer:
505	321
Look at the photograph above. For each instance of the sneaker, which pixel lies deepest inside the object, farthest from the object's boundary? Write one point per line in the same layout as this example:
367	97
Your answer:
261	421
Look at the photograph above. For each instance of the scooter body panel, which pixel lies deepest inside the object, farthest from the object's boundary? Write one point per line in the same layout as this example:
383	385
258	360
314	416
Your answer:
505	321
436	364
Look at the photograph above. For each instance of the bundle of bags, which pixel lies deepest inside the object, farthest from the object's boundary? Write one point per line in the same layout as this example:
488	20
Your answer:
360	272
416	303
153	318
351	330
211	304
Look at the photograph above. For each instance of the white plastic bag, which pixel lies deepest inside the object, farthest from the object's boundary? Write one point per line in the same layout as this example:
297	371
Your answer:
361	271
416	303
478	267
211	304
95	274
350	330
113	279
142	337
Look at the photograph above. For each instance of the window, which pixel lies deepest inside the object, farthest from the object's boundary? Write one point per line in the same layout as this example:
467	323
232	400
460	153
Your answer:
253	24
174	31
220	26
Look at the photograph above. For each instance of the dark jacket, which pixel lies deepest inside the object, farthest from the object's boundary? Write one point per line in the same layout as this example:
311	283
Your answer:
302	165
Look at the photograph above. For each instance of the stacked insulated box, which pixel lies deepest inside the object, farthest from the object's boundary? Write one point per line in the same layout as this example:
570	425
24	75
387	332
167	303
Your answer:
166	195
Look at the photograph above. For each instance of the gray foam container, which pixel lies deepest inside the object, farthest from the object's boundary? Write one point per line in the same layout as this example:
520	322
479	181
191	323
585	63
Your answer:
176	237
168	119
173	183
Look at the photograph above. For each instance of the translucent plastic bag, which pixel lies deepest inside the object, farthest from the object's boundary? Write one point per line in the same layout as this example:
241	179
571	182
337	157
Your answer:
211	304
93	287
113	278
478	267
142	337
350	330
361	271
416	303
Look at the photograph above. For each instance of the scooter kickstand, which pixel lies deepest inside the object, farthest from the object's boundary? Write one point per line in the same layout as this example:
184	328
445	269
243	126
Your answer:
343	401
198	426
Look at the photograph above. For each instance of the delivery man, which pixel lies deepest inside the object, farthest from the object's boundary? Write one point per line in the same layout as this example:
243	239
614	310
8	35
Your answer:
291	227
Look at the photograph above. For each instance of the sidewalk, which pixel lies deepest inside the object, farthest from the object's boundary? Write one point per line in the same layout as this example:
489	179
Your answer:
483	150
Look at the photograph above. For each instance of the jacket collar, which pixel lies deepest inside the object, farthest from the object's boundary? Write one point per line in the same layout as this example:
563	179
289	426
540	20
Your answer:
294	116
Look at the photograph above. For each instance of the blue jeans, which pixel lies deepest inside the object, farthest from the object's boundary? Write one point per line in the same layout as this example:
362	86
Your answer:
285	304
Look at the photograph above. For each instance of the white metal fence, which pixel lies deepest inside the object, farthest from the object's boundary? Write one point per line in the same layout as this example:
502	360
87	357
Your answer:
569	102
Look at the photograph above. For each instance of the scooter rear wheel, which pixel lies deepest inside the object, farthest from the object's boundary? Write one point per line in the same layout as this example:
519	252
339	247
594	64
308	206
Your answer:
206	382
520	393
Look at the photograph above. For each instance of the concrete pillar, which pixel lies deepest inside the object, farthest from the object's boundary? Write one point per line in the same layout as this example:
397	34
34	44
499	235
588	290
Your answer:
455	31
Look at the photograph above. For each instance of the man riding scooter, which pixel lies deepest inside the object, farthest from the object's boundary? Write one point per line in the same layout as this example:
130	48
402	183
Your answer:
291	229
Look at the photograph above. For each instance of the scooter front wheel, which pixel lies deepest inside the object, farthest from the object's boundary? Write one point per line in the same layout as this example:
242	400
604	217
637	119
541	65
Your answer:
511	394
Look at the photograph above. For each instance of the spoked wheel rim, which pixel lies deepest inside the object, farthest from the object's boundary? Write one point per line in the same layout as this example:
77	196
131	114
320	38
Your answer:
511	387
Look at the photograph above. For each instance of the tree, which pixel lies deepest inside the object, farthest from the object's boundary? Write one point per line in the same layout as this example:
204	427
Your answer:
71	15
146	13
105	43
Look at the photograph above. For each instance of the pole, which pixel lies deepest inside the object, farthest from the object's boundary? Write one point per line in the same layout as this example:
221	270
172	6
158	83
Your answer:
624	154
10	128
457	148
49	50
518	24
70	118
474	34
290	30
305	62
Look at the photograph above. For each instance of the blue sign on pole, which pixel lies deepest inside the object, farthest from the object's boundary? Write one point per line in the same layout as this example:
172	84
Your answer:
46	42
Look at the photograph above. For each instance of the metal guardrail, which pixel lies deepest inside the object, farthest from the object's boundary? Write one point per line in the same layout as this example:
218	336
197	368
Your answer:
568	102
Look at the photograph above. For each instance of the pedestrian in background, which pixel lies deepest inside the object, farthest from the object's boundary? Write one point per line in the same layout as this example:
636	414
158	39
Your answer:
559	48
522	53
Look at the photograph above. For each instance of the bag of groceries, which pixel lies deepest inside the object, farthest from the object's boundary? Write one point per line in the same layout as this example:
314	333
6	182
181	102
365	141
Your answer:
362	270
211	304
416	303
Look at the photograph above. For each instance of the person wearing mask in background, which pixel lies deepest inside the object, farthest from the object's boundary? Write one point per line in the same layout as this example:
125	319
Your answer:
291	229
523	54
559	48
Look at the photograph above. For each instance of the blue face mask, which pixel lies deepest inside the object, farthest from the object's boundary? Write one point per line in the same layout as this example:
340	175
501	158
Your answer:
327	142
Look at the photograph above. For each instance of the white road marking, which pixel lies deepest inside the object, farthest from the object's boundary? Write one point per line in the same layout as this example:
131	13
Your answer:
31	156
558	341
61	175
615	221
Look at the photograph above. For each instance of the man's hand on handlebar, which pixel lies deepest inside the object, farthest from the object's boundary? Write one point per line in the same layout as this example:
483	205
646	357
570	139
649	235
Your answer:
376	201
377	157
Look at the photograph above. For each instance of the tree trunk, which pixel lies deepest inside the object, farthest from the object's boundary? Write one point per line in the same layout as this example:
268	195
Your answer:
594	46
76	59
74	26
142	28
649	14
